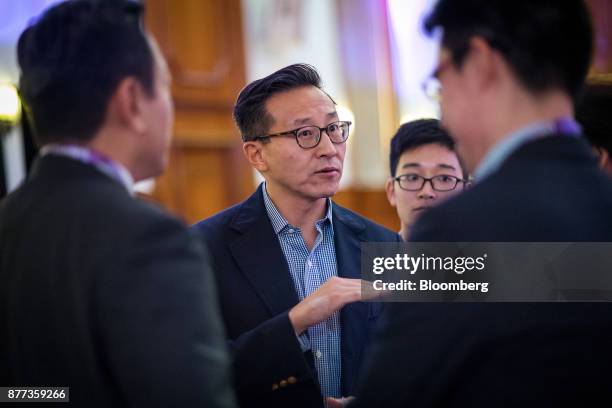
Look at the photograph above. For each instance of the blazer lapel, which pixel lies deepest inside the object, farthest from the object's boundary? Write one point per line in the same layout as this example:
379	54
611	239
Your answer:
260	257
354	317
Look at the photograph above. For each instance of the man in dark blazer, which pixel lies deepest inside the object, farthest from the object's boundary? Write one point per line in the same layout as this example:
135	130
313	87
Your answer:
288	258
509	72
99	291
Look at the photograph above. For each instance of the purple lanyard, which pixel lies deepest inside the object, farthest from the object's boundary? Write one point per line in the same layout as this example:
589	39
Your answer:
93	158
567	127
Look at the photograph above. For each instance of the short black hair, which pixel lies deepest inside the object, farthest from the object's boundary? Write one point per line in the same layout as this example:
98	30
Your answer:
593	112
250	110
72	59
547	43
417	133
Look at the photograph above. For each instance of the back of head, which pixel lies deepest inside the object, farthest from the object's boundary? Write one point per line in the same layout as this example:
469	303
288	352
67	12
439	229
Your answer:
417	133
547	43
250	111
73	57
594	111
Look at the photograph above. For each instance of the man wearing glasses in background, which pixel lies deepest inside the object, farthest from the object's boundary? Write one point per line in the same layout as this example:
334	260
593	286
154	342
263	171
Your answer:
287	258
425	170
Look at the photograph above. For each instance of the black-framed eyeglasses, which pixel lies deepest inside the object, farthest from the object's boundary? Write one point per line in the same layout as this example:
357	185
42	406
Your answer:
441	182
308	137
432	85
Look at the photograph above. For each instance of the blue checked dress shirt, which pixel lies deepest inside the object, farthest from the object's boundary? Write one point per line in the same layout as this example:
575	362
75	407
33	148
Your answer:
309	270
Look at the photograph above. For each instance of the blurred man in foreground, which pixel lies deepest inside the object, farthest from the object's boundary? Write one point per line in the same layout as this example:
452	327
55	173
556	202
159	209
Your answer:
509	72
99	291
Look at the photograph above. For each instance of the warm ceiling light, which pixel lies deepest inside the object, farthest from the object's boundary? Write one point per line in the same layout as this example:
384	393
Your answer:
9	103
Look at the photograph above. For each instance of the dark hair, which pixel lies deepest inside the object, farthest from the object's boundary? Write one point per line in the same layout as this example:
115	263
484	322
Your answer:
417	133
72	59
593	112
547	43
250	111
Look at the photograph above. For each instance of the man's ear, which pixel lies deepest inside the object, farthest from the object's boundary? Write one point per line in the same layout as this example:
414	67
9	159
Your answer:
127	102
253	151
603	158
484	61
390	190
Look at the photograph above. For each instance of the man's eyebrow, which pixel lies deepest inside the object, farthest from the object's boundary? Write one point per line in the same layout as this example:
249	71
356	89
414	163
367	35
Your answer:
442	165
302	121
446	166
308	120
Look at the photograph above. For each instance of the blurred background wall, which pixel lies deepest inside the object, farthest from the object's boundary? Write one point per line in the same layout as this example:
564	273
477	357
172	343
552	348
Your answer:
371	55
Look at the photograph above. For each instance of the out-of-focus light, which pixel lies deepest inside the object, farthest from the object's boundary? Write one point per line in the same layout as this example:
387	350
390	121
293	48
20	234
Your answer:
422	111
9	103
345	113
414	56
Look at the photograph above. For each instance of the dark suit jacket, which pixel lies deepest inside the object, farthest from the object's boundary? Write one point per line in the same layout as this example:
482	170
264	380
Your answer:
107	295
256	292
504	354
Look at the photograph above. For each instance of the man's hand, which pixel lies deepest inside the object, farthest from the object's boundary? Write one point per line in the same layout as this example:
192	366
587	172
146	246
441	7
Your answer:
338	402
322	303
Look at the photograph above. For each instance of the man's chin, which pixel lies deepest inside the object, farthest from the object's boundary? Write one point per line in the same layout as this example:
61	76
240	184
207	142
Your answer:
415	216
323	193
330	190
153	170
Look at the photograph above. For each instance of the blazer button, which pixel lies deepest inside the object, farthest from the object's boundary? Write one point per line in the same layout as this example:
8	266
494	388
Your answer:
274	387
292	380
283	383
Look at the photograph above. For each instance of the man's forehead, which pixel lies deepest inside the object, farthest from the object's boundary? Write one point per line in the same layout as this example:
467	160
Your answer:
308	119
301	105
429	155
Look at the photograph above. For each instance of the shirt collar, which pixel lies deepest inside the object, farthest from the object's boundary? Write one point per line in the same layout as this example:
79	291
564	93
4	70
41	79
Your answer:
85	155
279	222
509	144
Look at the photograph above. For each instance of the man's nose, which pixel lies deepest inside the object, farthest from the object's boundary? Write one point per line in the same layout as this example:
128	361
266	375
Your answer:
427	191
326	147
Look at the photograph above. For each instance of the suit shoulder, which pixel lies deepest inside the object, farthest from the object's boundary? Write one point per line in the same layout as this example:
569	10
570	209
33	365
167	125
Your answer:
101	212
456	218
218	223
373	231
137	221
112	205
153	213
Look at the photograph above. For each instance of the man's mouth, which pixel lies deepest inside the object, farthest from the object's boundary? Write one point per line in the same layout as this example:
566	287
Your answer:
420	208
328	170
